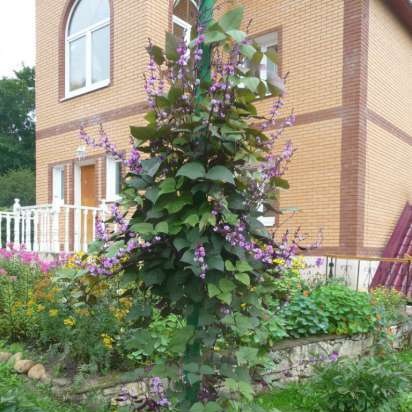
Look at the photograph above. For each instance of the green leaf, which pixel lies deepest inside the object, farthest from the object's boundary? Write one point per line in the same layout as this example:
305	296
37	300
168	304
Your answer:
175	206
151	166
242	266
180	243
226	297
153	277
167	186
272	56
229	266
251	83
152	194
247	356
232	19
279	182
213	290
157	53
142	228
171	47
142	133
226	285
162	227
192	170
237	35
175	93
216	262
214	36
248	51
220	173
192	220
243	278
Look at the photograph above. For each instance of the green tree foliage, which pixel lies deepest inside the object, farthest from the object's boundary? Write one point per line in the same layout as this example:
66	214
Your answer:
19	183
17	120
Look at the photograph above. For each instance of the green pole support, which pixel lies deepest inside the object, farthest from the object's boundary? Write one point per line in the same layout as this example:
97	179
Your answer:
193	353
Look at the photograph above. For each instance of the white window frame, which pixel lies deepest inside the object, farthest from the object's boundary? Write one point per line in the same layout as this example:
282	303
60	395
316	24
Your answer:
111	164
87	33
58	184
265	42
187	28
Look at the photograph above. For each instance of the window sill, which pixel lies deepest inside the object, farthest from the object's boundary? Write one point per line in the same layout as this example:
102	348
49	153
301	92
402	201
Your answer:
86	90
267	221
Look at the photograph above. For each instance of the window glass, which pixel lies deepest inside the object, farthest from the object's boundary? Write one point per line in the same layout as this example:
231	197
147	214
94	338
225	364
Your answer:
87	13
113	179
100	54
117	178
77	63
186	10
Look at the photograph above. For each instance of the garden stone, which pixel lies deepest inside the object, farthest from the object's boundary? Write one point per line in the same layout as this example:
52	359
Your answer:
5	356
38	373
23	366
61	382
14	358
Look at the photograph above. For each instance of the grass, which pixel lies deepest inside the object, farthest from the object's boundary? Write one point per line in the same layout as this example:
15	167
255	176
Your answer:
17	395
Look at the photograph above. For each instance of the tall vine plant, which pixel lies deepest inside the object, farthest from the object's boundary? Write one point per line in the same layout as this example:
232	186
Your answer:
200	171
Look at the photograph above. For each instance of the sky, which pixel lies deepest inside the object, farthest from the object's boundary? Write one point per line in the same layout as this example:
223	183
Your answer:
17	35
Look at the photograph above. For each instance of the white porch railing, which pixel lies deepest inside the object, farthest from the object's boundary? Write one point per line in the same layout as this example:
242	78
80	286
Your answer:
50	228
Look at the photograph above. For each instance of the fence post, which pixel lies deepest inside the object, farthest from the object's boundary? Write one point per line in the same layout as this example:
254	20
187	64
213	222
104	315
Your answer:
55	228
16	215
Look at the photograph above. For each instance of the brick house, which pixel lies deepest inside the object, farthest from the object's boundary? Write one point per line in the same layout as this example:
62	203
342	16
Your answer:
350	84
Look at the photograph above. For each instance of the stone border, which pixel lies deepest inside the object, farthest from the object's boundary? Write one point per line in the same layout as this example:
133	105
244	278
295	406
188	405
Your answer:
292	360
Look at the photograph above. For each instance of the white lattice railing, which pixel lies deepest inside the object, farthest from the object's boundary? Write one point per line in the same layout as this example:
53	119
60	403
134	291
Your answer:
50	228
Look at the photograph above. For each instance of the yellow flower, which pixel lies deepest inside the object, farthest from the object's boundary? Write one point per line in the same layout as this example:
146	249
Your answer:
278	262
107	341
70	322
53	313
83	312
243	305
40	308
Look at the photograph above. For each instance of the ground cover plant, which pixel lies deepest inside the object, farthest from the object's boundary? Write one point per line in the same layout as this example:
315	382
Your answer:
380	384
18	396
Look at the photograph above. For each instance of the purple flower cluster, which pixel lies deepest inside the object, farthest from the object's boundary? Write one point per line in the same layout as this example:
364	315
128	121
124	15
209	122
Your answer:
133	163
157	388
200	254
106	266
101	230
156	401
118	218
237	236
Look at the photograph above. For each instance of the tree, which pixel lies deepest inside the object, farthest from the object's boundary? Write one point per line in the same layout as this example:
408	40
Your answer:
17	120
195	240
19	183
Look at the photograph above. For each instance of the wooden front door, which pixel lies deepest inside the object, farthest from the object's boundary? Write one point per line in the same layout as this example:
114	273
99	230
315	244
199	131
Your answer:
88	198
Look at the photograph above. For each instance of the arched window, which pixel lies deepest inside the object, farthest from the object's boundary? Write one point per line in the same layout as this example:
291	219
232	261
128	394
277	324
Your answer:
184	18
87	46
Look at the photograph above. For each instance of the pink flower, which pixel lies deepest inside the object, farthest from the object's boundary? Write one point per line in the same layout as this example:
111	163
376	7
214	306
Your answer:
3	272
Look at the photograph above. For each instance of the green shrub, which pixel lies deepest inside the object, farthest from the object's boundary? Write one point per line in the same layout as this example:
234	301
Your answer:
303	318
348	311
389	303
17	280
356	386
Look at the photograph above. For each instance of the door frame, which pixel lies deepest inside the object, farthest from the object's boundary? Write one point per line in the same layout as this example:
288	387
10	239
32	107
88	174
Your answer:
78	179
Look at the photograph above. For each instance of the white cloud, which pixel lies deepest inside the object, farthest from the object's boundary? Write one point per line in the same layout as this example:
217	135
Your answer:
17	35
